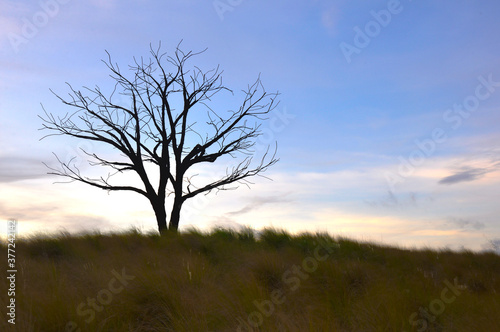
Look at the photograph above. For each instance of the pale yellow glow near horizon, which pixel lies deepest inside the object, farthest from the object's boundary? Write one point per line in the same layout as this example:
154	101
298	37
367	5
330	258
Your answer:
43	207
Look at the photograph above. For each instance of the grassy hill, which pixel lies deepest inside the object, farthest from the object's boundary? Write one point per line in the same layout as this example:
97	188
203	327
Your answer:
228	281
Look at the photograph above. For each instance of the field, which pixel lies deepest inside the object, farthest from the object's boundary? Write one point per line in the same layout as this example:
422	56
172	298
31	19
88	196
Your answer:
235	281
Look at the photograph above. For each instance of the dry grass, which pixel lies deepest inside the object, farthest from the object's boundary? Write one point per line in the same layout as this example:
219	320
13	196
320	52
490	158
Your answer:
227	281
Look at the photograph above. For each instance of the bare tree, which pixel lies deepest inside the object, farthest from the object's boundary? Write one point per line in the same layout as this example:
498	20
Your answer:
160	129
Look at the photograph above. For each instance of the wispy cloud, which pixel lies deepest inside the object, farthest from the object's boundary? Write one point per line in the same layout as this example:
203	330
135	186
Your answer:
464	176
17	168
464	224
257	202
393	200
33	210
474	167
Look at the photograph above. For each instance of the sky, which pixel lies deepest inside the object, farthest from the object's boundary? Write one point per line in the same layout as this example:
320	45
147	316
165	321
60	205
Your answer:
388	126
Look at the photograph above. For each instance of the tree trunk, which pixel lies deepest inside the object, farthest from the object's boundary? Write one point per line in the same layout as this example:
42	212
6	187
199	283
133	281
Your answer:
161	215
175	215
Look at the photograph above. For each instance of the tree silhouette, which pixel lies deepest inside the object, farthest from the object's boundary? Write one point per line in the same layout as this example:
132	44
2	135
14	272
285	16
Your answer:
162	128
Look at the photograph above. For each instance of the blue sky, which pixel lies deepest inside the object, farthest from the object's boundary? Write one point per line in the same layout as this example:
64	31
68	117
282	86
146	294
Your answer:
388	127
